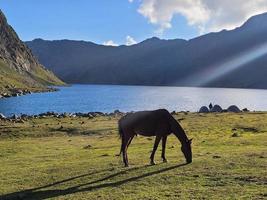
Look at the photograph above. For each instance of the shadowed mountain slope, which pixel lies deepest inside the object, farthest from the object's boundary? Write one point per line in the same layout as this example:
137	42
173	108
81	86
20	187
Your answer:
223	59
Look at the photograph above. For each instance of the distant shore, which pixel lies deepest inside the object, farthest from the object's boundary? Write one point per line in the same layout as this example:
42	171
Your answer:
15	92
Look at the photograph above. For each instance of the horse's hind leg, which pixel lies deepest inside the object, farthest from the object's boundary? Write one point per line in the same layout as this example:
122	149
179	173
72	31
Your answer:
157	140
124	153
126	142
130	141
164	140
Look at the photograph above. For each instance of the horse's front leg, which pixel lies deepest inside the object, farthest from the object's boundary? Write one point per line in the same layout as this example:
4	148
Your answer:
157	140
164	140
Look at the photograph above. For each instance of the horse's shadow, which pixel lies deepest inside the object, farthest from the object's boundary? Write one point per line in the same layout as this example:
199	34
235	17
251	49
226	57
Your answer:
50	193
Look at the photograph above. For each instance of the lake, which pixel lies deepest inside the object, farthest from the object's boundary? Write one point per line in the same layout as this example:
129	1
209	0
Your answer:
107	98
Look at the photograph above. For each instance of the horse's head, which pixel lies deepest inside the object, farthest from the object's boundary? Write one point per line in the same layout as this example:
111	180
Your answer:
186	149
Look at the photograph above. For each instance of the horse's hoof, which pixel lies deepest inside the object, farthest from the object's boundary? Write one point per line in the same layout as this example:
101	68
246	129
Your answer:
126	165
165	160
152	163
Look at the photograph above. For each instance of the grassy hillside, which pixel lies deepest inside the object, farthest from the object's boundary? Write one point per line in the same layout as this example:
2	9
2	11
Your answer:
20	71
74	158
35	81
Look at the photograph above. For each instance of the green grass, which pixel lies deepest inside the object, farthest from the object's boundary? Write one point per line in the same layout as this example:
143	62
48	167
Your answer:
74	158
35	81
9	77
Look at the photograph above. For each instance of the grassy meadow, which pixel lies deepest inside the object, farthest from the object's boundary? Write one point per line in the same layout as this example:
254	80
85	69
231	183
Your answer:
74	158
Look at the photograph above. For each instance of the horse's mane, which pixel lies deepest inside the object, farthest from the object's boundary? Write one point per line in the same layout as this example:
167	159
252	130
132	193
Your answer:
177	130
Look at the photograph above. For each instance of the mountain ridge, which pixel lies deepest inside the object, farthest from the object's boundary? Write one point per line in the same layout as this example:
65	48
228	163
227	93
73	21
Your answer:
160	62
19	69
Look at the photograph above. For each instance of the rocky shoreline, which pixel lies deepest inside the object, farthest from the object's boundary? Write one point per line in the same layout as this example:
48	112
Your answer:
14	92
62	115
89	115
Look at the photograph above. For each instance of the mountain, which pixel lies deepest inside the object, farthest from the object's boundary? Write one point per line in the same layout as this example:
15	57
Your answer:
235	58
19	69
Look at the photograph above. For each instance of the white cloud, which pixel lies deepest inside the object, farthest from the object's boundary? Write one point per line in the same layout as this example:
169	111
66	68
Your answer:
131	1
206	15
110	43
130	41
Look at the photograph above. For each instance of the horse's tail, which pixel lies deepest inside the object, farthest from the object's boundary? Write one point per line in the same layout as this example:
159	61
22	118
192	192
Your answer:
121	137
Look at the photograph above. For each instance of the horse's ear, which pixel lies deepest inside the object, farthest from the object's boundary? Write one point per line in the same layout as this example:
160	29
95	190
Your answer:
190	140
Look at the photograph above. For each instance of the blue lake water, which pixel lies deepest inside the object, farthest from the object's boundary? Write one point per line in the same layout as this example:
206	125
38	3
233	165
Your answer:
107	98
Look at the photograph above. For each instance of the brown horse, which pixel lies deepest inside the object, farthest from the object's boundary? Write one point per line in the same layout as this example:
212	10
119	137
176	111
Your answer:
159	123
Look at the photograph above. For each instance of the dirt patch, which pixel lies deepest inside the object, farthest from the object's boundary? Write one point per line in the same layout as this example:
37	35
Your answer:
87	146
255	155
235	135
216	156
247	129
252	179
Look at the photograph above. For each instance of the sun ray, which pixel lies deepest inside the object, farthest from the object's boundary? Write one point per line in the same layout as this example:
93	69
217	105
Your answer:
216	71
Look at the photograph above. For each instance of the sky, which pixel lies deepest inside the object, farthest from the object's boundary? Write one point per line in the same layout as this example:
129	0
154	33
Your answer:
116	22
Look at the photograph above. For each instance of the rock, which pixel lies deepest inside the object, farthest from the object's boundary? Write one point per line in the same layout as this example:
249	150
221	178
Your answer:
233	108
14	117
90	116
65	115
15	95
51	114
24	116
245	110
2	116
117	112
88	146
181	119
100	113
79	114
6	95
105	155
20	92
216	108
204	109
173	112
73	115
26	91
235	135
216	157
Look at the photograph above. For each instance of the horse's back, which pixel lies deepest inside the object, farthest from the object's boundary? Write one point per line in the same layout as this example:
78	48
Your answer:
146	122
